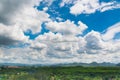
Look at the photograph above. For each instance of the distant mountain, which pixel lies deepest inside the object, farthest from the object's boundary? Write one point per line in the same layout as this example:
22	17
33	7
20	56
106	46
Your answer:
13	64
87	64
118	64
63	64
102	64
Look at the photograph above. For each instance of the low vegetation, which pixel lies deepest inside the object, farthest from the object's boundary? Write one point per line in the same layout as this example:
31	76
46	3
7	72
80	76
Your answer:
60	73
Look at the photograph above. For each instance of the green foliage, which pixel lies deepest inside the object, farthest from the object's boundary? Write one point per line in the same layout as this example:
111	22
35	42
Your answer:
60	73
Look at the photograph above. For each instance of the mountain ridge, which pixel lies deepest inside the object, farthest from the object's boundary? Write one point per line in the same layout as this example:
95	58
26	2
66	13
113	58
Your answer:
107	64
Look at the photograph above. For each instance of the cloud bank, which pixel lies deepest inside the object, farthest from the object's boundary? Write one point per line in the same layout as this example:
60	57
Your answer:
88	7
63	43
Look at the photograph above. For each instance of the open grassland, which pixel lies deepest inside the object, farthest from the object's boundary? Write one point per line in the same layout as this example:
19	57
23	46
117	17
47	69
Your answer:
60	73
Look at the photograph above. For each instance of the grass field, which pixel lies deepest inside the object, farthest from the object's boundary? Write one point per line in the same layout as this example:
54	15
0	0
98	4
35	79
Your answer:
60	73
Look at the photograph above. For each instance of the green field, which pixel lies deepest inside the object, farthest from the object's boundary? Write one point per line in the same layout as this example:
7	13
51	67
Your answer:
60	73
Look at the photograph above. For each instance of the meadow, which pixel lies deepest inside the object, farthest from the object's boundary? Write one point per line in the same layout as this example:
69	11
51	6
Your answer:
60	73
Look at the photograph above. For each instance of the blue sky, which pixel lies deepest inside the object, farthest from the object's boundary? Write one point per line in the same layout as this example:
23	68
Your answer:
96	21
59	31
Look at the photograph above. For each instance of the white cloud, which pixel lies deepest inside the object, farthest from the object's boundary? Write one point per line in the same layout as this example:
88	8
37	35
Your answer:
23	14
47	2
9	8
66	28
63	46
11	34
53	48
1	53
16	17
111	32
84	6
88	7
66	2
31	19
94	40
59	19
45	8
37	46
109	6
59	46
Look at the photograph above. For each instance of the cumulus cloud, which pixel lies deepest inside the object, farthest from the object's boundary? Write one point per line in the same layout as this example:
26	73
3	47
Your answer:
47	2
8	9
66	2
16	17
84	6
38	46
22	13
93	40
11	35
109	6
62	44
88	7
57	48
66	28
31	20
111	32
61	48
51	48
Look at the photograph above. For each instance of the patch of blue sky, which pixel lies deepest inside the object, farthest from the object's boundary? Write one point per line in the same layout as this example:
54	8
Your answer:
41	6
101	21
117	36
33	36
98	21
30	34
